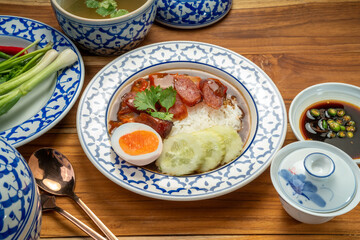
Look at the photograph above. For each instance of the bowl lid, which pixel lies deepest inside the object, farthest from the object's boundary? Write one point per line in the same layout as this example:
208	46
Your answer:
18	195
315	176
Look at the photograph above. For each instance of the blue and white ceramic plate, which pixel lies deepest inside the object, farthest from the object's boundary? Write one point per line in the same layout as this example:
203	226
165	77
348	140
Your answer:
48	103
267	128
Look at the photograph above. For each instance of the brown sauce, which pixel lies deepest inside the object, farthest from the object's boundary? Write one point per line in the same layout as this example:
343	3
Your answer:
350	145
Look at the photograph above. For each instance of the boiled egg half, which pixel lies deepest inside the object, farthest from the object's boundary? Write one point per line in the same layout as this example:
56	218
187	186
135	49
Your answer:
136	143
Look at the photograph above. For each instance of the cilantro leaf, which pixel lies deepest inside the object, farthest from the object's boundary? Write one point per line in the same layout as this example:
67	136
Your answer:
147	99
106	7
168	97
103	11
92	3
119	13
162	115
108	4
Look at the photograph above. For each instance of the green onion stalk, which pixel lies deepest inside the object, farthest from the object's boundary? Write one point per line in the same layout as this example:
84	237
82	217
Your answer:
11	97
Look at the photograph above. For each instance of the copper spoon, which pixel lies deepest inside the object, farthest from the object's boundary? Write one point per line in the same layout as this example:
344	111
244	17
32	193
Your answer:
48	204
54	174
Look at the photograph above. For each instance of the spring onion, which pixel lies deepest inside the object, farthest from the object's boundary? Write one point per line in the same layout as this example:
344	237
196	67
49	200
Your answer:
17	81
64	59
16	59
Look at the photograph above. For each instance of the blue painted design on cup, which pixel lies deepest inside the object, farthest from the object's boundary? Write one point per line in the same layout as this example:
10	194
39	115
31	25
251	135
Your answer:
302	187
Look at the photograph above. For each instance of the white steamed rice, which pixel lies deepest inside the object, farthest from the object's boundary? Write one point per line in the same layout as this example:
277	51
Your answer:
201	116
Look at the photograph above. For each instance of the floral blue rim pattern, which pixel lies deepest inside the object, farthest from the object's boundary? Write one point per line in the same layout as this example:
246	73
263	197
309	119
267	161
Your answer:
68	85
21	193
92	131
191	13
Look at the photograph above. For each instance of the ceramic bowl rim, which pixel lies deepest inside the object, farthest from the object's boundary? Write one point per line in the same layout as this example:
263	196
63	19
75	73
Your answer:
125	17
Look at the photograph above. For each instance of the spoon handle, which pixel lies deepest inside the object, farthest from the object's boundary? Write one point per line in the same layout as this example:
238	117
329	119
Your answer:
96	220
80	224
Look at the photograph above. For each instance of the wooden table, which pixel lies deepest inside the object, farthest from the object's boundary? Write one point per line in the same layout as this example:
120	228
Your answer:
298	44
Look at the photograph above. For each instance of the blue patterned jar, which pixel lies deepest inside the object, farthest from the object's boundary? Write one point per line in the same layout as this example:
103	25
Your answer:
20	208
112	36
189	14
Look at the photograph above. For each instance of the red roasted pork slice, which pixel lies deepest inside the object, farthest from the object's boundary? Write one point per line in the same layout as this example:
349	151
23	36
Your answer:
139	85
123	109
164	80
213	92
129	99
162	127
178	109
124	118
196	80
187	90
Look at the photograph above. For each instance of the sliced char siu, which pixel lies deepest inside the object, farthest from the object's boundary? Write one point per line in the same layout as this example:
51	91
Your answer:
189	93
213	92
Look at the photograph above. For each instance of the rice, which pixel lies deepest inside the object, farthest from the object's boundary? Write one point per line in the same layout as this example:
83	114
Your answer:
201	116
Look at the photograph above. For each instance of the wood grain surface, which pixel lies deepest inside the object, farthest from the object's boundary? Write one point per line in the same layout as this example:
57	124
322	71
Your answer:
298	44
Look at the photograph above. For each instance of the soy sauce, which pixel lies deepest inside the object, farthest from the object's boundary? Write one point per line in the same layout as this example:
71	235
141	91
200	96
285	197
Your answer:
349	145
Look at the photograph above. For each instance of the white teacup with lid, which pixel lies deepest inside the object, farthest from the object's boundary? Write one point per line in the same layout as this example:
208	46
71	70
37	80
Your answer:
316	181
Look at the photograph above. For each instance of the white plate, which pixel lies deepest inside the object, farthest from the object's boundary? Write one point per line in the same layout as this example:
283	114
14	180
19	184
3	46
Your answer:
49	102
267	108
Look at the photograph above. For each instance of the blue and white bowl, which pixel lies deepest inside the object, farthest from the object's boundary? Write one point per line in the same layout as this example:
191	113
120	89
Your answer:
189	14
20	208
107	36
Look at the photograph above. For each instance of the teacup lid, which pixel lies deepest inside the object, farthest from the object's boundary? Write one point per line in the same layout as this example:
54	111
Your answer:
315	176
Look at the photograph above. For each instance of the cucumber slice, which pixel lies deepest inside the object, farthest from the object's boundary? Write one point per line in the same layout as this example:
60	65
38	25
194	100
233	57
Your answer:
231	140
181	155
214	150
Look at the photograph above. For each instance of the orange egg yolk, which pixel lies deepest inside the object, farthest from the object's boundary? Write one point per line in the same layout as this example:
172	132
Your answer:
139	142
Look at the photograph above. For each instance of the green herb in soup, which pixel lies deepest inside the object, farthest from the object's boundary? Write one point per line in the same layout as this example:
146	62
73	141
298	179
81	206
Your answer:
99	9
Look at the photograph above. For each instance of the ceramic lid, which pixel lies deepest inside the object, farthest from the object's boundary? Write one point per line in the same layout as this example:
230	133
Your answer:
20	213
315	176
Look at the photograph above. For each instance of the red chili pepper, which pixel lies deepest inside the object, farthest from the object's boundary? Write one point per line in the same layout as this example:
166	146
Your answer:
11	50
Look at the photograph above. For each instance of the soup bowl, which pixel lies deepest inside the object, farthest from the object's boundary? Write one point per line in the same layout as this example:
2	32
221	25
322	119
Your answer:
112	36
319	93
20	214
191	14
266	110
